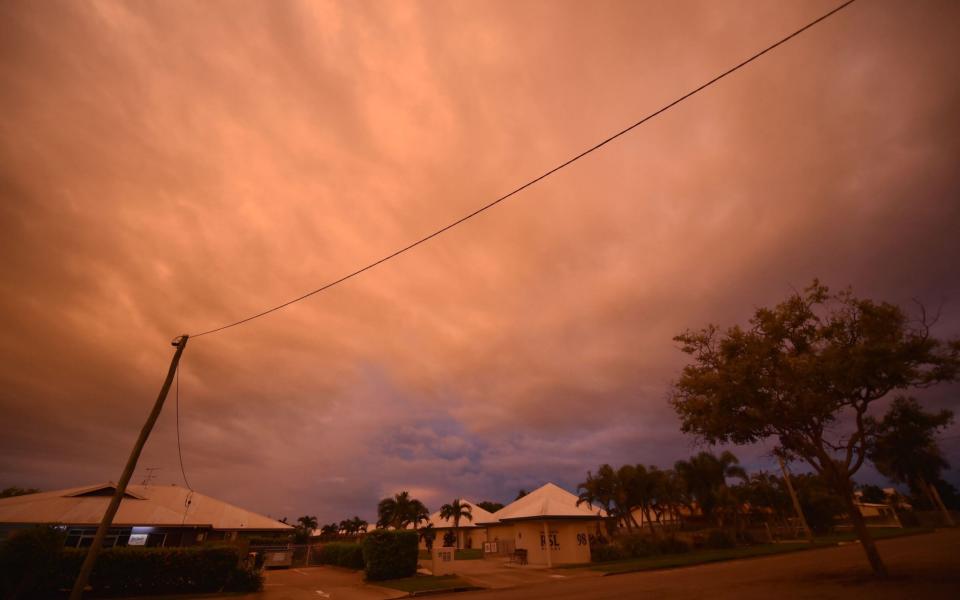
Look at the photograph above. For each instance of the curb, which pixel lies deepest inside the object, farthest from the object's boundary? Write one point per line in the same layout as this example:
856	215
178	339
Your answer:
462	588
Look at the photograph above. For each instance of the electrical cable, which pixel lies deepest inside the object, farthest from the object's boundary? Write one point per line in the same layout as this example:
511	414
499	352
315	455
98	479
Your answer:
532	181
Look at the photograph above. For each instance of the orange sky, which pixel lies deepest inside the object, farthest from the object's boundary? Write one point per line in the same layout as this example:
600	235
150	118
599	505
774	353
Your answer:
167	167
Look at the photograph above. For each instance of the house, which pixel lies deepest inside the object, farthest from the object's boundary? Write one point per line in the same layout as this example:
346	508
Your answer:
470	533
149	515
548	523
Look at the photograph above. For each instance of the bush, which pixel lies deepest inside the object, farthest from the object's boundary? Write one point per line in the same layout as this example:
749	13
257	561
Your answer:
119	571
673	545
605	553
717	539
245	579
29	561
636	545
341	554
390	554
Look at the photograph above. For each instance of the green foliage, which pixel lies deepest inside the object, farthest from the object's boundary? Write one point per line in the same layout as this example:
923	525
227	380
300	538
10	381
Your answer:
605	553
637	546
872	493
672	545
705	478
905	449
390	554
10	492
449	539
805	372
489	506
341	554
400	511
29	561
819	502
718	539
34	564
428	534
305	527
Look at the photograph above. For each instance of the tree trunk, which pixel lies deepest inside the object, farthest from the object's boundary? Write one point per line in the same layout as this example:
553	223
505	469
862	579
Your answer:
937	502
646	515
866	540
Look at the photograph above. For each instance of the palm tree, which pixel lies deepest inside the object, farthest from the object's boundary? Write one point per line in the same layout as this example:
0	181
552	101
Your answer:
330	529
357	526
599	490
705	477
307	524
456	510
428	534
400	511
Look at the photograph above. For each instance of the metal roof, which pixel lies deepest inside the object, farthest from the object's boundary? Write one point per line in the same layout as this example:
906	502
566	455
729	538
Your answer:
479	516
143	505
546	502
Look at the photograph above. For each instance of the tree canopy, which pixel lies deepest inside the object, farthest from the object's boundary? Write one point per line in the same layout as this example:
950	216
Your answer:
805	372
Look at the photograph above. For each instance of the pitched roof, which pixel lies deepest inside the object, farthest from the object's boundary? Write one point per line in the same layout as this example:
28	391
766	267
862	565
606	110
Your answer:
547	501
479	516
154	505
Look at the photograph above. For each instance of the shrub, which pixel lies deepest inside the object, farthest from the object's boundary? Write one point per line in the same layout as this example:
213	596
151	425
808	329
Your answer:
245	579
29	560
719	539
673	545
636	545
122	571
341	554
390	554
449	539
605	553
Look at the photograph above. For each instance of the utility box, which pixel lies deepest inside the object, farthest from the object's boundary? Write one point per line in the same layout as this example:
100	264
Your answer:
443	559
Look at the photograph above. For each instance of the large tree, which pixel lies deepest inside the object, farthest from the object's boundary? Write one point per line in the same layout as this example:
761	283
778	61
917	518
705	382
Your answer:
906	449
805	372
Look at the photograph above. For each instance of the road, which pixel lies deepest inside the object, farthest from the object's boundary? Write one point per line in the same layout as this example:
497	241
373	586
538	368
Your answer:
923	566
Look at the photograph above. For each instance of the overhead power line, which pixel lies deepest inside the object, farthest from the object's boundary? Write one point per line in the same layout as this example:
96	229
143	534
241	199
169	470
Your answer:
532	181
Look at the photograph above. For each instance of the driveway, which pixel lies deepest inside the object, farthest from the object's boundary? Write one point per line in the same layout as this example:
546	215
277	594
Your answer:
319	583
923	566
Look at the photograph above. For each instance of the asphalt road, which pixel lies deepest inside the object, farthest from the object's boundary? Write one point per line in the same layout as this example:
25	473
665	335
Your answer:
925	567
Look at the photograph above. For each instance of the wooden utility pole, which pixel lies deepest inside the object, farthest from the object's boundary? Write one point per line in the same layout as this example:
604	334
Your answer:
78	586
796	501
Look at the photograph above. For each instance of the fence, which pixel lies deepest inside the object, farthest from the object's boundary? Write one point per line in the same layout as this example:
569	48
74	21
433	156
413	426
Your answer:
289	555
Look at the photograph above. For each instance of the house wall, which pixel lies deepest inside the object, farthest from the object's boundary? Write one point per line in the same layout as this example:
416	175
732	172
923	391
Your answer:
470	537
569	541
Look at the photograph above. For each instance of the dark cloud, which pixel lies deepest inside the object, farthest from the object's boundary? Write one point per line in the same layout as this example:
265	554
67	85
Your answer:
169	168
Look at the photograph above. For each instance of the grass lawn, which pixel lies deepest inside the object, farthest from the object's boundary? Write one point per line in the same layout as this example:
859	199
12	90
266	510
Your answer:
701	557
879	533
708	556
425	583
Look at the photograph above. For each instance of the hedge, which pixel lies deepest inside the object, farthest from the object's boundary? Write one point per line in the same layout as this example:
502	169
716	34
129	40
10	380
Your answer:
340	554
122	571
390	554
637	546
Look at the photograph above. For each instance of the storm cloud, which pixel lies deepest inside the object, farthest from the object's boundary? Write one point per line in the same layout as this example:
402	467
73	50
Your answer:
169	167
